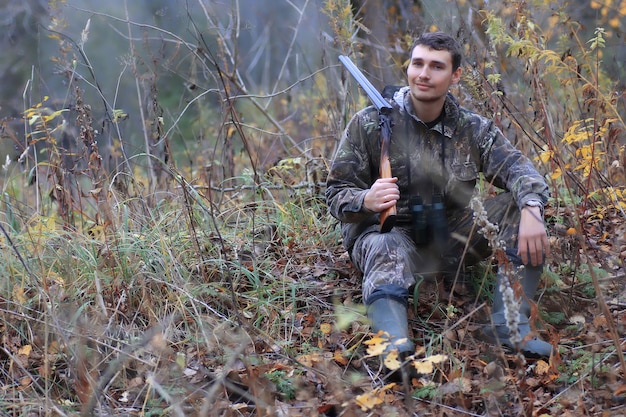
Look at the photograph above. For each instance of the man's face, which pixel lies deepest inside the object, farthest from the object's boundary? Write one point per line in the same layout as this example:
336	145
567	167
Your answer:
430	75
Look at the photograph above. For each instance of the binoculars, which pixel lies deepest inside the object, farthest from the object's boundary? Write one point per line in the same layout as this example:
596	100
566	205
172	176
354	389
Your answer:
430	224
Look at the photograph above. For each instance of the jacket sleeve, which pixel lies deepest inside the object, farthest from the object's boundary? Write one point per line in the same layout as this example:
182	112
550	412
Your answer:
350	175
508	168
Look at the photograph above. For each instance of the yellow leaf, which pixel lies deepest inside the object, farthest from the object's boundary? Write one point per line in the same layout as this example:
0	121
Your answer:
377	344
310	360
580	130
54	115
369	400
542	367
427	365
545	156
25	350
391	360
326	328
423	367
556	174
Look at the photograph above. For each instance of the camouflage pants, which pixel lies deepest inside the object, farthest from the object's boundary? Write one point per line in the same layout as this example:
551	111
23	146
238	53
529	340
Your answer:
394	259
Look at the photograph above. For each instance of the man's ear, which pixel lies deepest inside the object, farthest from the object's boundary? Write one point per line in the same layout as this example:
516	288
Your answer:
456	75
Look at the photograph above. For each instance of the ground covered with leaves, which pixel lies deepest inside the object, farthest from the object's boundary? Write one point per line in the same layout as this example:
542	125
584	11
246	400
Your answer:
271	323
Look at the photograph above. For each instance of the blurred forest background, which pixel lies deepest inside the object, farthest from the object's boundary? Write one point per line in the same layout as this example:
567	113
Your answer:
182	60
166	249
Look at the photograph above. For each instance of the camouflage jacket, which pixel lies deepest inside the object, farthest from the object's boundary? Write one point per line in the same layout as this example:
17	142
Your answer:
446	158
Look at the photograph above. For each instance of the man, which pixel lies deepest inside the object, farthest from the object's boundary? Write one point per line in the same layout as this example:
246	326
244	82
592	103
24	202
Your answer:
437	150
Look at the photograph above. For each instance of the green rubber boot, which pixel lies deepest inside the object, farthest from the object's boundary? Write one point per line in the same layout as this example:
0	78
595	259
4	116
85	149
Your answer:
390	315
498	332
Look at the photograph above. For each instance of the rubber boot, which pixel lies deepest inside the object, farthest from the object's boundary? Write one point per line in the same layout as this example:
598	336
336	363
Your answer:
498	332
389	315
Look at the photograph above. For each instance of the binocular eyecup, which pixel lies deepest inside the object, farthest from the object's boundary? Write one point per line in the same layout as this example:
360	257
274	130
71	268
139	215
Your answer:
430	224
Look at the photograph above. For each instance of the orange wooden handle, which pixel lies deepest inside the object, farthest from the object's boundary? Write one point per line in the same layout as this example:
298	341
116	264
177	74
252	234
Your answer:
387	217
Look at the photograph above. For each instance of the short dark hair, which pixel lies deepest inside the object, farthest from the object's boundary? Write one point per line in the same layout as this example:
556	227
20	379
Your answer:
441	41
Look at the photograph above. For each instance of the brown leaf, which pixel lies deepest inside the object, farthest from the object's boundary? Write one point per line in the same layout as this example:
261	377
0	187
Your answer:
340	358
457	386
599	321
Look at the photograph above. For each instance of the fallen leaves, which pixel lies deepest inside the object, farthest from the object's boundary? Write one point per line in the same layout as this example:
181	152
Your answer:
542	368
371	399
392	361
459	385
427	365
326	328
377	344
329	362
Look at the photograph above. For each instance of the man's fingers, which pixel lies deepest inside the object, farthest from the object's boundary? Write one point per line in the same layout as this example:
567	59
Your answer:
546	246
533	251
387	204
522	251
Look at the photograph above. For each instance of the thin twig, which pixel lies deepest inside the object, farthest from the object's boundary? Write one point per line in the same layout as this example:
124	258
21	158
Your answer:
17	252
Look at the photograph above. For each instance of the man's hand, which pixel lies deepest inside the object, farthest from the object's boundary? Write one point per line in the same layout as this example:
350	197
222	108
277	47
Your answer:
383	194
532	242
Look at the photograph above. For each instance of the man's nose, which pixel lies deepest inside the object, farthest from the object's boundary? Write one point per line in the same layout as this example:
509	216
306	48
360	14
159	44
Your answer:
424	74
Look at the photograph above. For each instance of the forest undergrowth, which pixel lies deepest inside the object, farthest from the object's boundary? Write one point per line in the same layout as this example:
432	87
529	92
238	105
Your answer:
215	283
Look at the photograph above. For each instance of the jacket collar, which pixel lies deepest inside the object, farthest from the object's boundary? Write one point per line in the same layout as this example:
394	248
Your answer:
402	101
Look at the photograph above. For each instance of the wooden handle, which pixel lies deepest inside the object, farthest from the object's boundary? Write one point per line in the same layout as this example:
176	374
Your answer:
387	217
